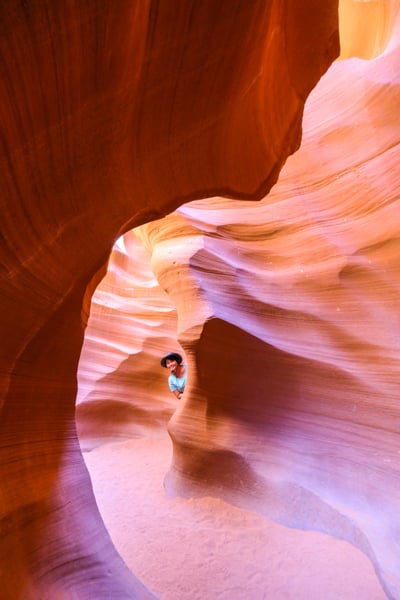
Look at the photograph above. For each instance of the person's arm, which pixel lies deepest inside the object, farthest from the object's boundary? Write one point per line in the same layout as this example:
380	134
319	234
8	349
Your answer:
173	387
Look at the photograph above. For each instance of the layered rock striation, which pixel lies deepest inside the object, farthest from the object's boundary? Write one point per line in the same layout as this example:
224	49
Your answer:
286	309
112	116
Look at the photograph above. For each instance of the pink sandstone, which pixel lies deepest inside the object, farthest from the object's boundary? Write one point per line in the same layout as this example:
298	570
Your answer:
286	308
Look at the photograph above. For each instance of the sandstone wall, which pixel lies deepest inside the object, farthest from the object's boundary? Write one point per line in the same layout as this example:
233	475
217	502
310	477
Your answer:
287	311
112	115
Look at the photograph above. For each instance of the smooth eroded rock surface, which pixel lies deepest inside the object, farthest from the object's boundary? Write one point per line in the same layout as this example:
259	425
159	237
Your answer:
287	310
112	115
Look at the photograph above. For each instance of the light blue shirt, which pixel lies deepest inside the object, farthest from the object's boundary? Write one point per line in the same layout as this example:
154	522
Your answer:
177	383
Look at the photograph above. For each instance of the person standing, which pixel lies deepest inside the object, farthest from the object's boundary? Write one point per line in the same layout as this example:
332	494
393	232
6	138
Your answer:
177	373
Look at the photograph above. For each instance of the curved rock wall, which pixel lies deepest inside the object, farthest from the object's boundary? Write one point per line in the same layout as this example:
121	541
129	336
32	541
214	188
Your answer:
287	311
114	114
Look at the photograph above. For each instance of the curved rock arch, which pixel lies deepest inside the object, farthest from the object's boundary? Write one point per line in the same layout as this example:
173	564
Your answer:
112	117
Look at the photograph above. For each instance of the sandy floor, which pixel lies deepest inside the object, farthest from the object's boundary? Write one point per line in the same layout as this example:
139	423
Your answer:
205	549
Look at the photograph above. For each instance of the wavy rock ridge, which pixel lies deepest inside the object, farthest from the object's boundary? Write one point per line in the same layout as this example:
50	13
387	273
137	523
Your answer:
113	118
287	312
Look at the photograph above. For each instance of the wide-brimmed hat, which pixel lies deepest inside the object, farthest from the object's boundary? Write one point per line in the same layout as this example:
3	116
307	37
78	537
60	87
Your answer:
171	356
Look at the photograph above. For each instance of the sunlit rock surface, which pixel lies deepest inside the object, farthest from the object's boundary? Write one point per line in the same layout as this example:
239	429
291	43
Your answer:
112	115
287	310
121	391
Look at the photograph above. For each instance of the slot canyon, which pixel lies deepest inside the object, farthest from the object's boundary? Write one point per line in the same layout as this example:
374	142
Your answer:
220	179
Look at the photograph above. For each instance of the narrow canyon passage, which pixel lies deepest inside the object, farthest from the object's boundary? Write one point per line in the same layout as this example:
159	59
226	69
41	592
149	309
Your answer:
245	155
181	548
292	288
